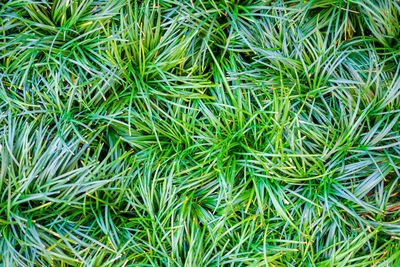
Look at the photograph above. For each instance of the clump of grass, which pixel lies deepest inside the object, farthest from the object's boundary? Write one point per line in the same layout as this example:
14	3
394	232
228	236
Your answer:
199	133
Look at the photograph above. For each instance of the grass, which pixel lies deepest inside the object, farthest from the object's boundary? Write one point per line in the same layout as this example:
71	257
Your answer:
199	133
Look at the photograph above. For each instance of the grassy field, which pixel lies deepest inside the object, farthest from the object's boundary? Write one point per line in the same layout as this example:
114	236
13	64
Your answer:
199	133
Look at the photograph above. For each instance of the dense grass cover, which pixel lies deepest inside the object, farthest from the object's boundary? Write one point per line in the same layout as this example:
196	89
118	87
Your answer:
199	133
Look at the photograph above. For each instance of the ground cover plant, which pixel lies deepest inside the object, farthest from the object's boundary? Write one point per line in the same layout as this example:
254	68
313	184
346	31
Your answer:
199	133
